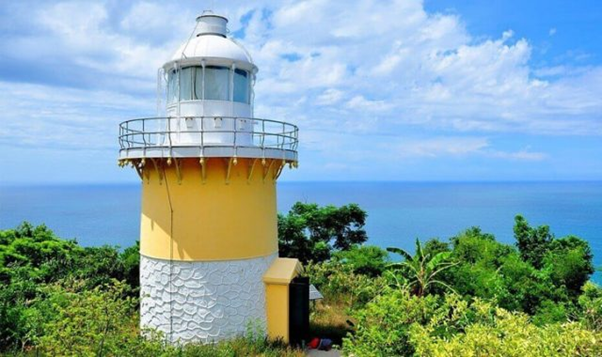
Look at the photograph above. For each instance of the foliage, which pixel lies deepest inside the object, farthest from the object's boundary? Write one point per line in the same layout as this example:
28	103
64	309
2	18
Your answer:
59	298
569	263
102	321
398	323
434	246
542	284
329	318
420	271
337	279
13	311
551	312
88	322
591	306
491	270
364	259
497	332
383	325
480	259
345	290
532	243
99	265
32	257
37	248
311	233
49	258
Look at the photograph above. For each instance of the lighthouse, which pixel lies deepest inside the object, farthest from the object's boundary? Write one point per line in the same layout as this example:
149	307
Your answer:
209	265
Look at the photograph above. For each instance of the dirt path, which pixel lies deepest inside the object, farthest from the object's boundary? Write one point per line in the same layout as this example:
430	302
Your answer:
316	353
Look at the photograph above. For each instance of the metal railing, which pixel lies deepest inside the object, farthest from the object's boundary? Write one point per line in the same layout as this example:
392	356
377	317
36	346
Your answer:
207	131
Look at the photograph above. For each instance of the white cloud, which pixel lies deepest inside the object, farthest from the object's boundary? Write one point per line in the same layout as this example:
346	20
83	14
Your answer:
438	147
330	96
425	70
365	72
521	155
446	146
362	104
83	36
39	116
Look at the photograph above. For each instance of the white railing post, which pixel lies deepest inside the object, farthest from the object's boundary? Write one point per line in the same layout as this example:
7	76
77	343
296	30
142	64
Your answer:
235	135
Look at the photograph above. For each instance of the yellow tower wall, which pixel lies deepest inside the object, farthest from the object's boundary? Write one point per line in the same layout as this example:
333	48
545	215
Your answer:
220	212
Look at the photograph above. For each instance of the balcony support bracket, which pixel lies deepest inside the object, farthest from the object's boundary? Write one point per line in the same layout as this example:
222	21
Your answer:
279	170
158	171
229	163
251	169
178	165
266	171
203	162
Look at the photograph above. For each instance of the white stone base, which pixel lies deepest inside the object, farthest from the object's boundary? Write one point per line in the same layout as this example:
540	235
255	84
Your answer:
205	301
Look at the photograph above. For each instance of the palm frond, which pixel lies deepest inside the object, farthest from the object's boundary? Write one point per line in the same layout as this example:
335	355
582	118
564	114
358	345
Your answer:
393	266
403	253
439	282
437	260
399	281
419	251
443	267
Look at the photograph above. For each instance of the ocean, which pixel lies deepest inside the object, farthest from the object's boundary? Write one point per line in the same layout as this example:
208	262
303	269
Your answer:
398	212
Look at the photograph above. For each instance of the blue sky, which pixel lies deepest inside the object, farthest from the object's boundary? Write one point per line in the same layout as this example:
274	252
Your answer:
381	90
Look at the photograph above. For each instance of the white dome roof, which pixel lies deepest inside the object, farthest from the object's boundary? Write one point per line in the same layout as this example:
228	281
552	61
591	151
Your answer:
209	42
212	46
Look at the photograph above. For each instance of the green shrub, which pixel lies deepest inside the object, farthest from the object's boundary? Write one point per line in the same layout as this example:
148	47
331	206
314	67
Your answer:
364	259
591	306
382	326
397	323
550	312
336	280
542	279
32	257
89	322
58	298
103	321
497	332
569	262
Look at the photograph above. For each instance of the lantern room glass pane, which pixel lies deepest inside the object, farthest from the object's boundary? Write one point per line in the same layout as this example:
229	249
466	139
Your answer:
217	83
198	83
172	93
186	83
241	86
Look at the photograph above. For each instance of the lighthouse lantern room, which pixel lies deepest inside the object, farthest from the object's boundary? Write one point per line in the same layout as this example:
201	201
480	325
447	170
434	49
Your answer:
209	263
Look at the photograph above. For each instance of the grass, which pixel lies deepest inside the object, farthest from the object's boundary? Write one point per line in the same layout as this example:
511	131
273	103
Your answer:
329	319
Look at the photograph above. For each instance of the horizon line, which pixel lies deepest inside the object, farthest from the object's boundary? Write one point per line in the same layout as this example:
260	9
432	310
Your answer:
114	183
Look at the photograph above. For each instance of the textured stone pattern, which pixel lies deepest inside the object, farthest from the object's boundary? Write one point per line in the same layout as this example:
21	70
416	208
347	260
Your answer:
205	301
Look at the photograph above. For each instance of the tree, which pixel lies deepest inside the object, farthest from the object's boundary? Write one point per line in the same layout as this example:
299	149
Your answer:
569	263
532	243
434	246
421	270
130	258
311	233
32	256
364	259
